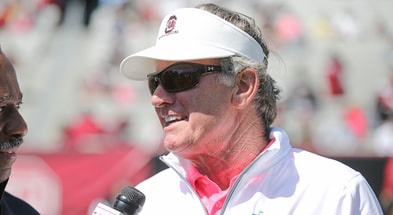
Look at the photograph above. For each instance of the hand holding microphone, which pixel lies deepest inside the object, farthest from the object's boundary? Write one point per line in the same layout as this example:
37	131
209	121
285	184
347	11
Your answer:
128	202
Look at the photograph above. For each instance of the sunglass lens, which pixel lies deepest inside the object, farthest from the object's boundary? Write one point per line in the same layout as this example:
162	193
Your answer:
178	79
153	83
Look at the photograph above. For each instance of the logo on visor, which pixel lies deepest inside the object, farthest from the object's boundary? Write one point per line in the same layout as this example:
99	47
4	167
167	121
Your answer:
170	25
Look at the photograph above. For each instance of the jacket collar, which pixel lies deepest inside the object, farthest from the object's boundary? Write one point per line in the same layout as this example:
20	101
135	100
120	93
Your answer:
268	157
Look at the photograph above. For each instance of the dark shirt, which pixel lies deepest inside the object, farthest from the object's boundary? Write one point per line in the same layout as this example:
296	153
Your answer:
10	205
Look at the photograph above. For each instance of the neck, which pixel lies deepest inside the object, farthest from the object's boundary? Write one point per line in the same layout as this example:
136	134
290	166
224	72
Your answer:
234	155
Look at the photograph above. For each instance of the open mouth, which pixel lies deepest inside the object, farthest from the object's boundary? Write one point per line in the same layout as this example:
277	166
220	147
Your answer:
9	150
172	119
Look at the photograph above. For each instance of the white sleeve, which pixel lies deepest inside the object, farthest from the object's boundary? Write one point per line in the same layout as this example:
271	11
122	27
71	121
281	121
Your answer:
360	199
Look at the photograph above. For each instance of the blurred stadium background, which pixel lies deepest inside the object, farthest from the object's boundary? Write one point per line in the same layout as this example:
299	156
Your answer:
92	131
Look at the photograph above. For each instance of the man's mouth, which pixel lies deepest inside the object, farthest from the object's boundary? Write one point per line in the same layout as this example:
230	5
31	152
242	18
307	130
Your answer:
9	150
172	119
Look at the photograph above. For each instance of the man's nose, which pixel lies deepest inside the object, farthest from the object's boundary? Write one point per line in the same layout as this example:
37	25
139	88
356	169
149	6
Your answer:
15	124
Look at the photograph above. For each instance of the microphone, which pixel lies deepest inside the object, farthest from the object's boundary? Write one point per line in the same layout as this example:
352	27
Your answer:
128	202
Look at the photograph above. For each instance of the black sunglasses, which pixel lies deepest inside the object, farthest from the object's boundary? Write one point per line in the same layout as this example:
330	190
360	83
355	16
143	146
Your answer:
180	76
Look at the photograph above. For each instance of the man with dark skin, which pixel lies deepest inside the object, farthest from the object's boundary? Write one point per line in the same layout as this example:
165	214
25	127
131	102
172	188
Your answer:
12	130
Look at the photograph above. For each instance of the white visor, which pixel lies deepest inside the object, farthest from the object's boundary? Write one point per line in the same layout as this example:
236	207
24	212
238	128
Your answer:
192	34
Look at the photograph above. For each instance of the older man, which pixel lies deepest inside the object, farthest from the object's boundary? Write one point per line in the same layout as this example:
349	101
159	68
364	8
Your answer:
12	130
216	104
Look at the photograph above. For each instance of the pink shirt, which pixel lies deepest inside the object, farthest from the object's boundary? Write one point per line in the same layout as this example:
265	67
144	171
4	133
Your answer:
210	193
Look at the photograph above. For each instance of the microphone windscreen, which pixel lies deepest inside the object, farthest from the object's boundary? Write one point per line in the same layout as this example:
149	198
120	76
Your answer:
129	201
133	196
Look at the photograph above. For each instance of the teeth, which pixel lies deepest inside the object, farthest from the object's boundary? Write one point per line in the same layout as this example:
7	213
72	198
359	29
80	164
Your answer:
172	118
7	151
10	150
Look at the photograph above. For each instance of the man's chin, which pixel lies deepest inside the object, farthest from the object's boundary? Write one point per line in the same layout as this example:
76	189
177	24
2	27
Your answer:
7	159
5	174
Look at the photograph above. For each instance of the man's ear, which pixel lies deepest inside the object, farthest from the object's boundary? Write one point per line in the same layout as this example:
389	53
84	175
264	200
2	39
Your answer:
247	82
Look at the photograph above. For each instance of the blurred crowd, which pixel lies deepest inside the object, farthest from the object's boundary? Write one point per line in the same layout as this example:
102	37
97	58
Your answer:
334	102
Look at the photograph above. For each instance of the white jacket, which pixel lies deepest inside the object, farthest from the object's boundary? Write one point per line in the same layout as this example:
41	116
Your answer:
281	180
